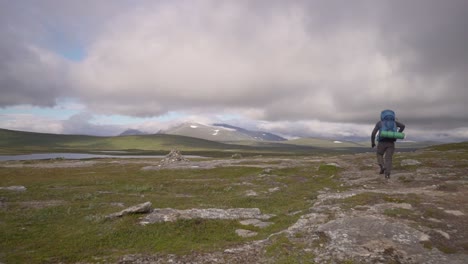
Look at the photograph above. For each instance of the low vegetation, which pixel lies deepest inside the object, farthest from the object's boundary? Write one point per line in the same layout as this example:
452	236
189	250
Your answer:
61	216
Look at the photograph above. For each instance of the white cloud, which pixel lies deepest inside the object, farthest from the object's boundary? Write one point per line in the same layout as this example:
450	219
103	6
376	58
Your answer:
323	67
31	123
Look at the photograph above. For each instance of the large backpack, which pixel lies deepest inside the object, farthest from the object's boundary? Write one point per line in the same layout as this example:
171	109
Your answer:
387	119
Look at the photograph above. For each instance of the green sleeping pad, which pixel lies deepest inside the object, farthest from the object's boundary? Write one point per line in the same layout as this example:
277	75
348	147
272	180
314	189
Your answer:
391	134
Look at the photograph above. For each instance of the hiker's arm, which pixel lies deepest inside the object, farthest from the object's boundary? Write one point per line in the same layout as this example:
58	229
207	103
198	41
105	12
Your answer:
374	132
401	126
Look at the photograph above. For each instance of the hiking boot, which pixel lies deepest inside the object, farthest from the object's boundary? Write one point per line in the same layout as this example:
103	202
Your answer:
387	175
382	169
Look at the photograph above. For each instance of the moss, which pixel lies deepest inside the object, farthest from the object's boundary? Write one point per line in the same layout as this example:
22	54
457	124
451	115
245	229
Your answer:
282	250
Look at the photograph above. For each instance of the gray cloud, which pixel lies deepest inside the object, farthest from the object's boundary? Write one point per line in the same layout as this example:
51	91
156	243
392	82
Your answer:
28	74
276	61
82	124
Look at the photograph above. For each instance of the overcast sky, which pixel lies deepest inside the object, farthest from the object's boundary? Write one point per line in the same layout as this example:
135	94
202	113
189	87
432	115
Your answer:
297	68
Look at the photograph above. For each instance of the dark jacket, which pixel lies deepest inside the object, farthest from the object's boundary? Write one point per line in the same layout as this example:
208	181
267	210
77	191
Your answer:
377	127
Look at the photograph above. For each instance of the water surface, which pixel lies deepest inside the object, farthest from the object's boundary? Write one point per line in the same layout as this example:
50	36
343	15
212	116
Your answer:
75	156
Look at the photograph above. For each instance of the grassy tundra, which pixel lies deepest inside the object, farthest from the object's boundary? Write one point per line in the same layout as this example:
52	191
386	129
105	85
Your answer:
61	216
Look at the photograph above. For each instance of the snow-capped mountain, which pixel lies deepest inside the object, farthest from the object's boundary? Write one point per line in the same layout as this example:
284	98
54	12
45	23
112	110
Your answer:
256	135
220	132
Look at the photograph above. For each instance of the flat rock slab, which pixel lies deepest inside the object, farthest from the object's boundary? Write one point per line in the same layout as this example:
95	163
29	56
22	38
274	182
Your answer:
18	188
171	215
256	222
454	212
374	237
265	163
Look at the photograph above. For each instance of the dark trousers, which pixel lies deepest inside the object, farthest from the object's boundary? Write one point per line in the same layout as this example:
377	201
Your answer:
385	152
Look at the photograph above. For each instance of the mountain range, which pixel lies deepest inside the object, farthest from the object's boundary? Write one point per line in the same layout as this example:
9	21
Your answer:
220	133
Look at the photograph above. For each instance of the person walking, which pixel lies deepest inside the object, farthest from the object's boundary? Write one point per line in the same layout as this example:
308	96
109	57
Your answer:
386	143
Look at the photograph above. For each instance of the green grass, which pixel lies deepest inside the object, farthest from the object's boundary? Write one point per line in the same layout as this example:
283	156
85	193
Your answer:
18	142
463	146
75	229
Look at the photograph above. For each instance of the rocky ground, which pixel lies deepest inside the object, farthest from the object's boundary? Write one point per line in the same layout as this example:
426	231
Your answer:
419	215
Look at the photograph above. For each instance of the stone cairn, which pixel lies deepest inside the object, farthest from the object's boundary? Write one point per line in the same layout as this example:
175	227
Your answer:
173	157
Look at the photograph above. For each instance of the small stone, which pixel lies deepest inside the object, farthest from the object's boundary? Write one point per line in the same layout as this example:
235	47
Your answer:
251	193
424	237
334	164
250	222
274	189
444	234
454	212
256	223
236	156
117	204
245	233
409	162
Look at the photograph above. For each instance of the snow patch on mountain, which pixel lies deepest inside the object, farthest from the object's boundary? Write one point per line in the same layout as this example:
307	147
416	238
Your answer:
220	132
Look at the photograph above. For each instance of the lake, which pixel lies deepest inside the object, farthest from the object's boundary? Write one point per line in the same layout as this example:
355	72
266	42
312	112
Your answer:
72	156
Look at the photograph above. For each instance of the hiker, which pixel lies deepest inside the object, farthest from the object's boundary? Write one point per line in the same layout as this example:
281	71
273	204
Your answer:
386	143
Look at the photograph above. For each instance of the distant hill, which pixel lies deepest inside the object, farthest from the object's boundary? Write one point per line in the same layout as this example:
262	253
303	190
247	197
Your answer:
20	142
220	133
132	132
256	135
28	142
